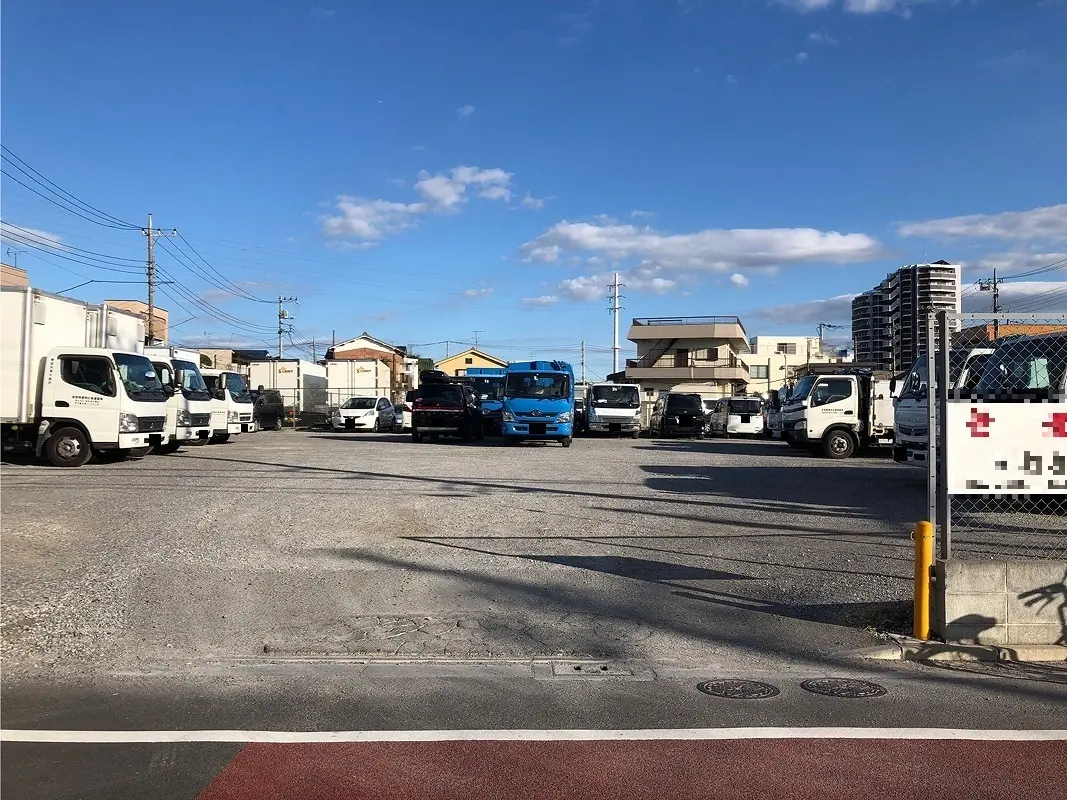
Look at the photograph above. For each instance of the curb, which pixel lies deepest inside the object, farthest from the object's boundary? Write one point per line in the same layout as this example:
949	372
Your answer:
905	648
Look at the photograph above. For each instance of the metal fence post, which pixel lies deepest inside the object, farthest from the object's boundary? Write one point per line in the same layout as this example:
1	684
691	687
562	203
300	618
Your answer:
944	510
933	447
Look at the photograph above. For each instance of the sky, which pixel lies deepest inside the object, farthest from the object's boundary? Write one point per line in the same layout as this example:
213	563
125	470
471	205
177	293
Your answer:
435	172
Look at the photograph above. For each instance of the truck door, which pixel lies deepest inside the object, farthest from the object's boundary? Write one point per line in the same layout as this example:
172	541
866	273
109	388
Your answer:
834	399
87	391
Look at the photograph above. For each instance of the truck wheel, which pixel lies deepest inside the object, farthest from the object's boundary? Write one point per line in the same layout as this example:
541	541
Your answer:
837	444
220	438
565	441
170	447
511	441
67	447
278	424
416	437
136	453
792	442
635	434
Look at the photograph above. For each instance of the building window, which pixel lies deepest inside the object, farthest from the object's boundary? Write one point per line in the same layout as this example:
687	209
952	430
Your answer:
787	348
712	354
468	361
759	371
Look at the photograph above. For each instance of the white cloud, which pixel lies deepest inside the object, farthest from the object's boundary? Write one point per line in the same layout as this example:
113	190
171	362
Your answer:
820	37
589	288
637	213
712	250
529	201
1045	223
447	191
373	220
322	13
543	300
730	79
802	57
1022	297
1013	262
833	309
857	6
464	111
483	292
20	234
739	280
370	219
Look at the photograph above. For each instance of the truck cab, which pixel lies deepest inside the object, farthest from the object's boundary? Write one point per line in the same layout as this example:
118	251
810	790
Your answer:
100	401
912	405
487	383
231	404
538	402
839	413
189	406
613	408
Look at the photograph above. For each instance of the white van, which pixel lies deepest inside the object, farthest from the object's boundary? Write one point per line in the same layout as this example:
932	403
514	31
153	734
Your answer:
742	416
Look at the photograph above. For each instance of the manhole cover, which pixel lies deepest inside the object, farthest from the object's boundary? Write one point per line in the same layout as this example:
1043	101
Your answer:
737	689
843	687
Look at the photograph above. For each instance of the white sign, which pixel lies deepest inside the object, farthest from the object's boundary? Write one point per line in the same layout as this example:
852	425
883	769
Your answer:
1006	448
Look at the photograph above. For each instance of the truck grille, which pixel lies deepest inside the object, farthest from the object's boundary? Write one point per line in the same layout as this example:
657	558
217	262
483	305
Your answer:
200	420
150	424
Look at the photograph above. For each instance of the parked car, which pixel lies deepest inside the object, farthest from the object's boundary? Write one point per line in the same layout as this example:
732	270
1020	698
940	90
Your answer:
268	409
364	414
677	414
446	409
741	415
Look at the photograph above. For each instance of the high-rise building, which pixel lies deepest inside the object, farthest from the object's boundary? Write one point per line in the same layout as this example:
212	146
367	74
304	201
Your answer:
889	321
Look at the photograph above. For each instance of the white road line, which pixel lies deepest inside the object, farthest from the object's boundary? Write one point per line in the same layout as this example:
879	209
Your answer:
648	734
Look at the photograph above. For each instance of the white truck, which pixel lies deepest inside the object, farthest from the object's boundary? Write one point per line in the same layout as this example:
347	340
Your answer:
74	380
189	406
613	408
231	404
840	412
911	408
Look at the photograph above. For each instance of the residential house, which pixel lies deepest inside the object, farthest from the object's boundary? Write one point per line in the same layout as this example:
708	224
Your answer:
991	331
238	361
13	276
459	363
136	307
688	354
403	369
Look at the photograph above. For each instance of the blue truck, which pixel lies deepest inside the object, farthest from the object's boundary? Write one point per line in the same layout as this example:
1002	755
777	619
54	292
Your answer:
488	386
538	402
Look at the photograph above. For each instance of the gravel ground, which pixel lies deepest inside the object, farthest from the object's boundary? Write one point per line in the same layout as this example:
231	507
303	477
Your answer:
320	545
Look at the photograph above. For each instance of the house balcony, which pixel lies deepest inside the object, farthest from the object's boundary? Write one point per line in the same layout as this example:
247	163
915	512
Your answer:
719	371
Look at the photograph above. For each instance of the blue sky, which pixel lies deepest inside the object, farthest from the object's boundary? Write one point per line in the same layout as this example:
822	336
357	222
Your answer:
423	170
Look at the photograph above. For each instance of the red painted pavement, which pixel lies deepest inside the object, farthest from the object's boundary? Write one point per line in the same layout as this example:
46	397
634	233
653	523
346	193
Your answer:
750	769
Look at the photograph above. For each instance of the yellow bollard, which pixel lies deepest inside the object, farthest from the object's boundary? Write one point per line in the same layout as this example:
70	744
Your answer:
923	536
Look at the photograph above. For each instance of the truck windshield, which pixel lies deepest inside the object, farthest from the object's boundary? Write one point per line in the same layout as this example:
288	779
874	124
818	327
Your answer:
1028	368
540	385
191	381
139	377
237	388
488	388
616	397
802	389
746	406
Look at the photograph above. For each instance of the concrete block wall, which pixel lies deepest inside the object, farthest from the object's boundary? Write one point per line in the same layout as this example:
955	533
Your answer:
1001	602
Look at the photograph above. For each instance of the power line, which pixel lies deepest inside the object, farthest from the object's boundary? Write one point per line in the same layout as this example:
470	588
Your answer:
34	236
242	292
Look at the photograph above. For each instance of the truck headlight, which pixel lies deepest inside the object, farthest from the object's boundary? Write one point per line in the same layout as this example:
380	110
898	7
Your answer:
127	423
564	417
508	416
185	419
233	416
798	426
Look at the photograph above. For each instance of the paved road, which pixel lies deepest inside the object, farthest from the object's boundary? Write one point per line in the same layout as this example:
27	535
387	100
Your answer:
335	583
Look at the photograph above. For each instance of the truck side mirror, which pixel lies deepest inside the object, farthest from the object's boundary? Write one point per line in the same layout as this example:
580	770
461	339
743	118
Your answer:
219	394
169	390
892	386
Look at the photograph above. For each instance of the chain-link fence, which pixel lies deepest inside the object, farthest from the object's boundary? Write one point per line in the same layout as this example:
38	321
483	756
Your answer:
998	456
314	407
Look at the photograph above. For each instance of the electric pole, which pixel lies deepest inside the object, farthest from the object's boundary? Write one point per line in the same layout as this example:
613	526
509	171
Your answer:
152	234
614	308
583	360
993	285
283	316
476	338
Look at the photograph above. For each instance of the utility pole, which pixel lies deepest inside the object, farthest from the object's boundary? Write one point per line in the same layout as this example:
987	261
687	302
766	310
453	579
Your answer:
152	234
283	316
614	308
583	360
993	285
476	338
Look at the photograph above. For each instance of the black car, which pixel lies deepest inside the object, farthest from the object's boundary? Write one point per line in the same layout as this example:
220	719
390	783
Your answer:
678	414
268	409
443	407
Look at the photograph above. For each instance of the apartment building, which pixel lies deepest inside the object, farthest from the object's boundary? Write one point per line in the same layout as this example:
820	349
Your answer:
773	359
889	321
691	354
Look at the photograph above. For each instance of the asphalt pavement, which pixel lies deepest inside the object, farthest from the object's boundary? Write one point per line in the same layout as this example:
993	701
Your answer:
328	582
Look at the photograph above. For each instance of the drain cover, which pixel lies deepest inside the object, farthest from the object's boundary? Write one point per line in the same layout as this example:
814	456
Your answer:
738	689
843	687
